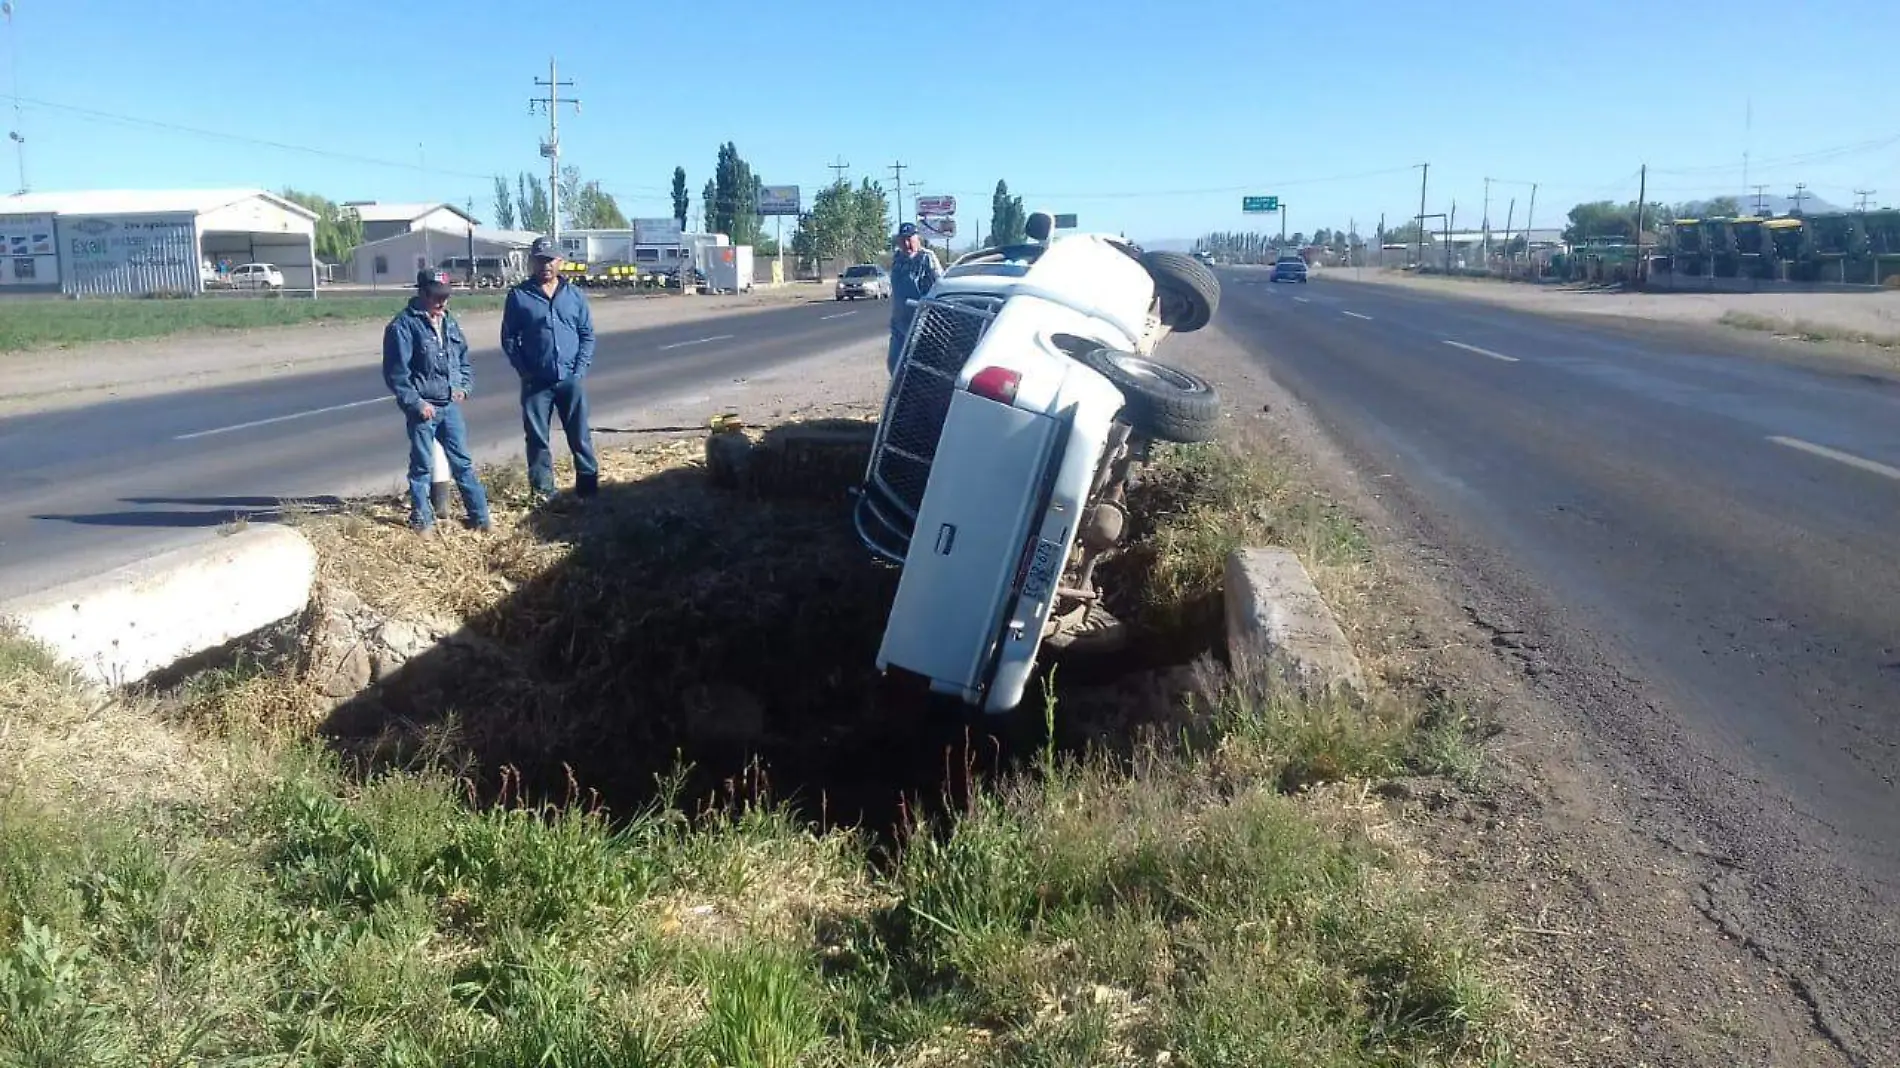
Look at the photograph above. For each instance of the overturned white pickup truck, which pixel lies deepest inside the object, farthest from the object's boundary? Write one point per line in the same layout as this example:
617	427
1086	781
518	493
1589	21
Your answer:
1025	395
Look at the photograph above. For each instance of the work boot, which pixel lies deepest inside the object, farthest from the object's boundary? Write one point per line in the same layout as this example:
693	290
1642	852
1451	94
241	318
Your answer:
586	485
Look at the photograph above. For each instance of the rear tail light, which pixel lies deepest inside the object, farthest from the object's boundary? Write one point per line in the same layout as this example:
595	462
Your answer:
996	383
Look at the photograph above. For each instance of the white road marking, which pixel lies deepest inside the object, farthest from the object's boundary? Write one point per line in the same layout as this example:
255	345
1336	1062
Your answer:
1481	352
696	341
840	315
1356	315
283	418
1838	456
1301	300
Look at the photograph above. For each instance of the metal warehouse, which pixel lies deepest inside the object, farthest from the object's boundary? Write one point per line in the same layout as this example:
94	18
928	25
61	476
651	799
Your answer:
142	242
394	260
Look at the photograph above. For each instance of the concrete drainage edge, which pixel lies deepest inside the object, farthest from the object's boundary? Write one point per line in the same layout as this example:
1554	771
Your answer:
125	625
1277	620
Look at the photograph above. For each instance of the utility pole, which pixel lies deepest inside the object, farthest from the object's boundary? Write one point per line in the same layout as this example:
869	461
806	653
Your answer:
897	179
1528	212
1800	194
1642	191
1510	216
1484	222
551	148
14	135
1425	170
1382	239
838	168
1283	227
1759	206
1863	194
422	168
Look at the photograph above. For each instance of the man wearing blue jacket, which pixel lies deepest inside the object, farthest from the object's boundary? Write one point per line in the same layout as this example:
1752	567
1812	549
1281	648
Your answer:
425	364
914	270
547	332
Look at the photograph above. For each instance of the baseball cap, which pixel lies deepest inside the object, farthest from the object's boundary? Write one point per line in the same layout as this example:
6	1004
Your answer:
428	280
543	249
906	229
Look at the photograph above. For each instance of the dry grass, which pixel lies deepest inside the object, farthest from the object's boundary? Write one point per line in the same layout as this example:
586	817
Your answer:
1807	330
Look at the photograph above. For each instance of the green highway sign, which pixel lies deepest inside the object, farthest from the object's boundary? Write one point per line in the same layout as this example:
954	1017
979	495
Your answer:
1065	222
1259	204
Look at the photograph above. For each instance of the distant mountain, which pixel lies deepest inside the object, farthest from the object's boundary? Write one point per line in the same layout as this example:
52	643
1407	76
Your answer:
1774	204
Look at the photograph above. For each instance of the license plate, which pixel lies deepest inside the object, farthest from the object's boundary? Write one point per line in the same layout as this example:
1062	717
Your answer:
1042	569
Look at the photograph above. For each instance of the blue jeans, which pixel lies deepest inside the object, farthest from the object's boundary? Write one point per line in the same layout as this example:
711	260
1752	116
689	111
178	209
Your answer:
448	429
539	403
898	334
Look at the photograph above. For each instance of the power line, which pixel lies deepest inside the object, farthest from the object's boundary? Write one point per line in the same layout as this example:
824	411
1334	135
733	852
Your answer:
839	168
1863	194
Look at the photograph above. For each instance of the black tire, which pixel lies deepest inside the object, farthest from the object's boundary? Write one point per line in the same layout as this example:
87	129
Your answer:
1161	402
1189	292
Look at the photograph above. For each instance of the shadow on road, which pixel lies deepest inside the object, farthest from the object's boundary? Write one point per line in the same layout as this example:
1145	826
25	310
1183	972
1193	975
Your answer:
204	511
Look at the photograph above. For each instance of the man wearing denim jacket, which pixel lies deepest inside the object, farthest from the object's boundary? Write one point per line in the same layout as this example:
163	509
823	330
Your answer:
425	364
914	270
547	333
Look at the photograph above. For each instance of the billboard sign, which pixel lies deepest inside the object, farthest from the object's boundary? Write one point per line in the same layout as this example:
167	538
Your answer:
939	225
656	231
936	206
28	254
129	255
778	200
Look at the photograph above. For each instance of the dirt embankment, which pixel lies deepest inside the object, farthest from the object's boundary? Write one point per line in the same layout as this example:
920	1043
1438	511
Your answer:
49	379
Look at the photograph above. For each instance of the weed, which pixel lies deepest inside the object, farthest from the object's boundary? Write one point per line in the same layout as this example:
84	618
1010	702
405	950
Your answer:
1805	330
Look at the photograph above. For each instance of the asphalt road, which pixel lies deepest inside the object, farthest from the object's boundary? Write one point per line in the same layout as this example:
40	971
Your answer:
87	489
1704	551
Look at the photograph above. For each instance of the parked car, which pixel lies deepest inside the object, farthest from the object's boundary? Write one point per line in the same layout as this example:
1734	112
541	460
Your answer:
257	276
1288	269
863	280
1024	398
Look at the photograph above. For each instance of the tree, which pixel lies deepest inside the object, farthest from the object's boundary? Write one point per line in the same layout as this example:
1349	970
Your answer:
1008	221
586	206
1713	208
338	231
1606	220
706	198
735	197
872	233
504	204
531	203
681	202
1298	240
1322	236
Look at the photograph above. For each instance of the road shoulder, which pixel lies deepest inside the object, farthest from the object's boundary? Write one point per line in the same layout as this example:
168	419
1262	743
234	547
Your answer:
1598	917
1687	318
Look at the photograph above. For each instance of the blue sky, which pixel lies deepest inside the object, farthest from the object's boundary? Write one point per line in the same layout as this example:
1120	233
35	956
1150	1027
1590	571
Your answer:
1146	118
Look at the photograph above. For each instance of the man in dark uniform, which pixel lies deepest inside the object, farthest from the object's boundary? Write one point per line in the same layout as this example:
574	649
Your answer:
914	270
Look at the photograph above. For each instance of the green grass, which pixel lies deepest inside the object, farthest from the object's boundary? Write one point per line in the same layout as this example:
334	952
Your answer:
1806	330
1210	899
1089	912
32	324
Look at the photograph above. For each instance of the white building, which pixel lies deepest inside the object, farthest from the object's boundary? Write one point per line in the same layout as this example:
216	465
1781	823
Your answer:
387	220
639	246
394	260
101	242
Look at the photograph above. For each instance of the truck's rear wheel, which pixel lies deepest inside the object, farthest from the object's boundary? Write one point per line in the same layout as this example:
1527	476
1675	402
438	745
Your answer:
1188	292
1160	402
